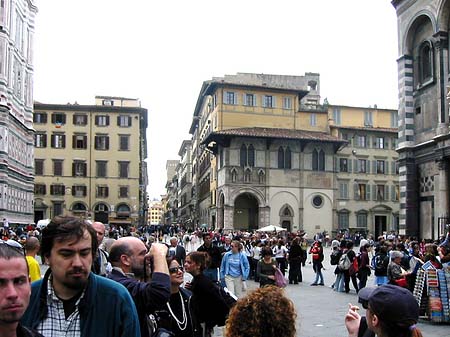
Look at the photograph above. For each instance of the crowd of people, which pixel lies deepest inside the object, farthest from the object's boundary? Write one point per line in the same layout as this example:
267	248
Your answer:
103	283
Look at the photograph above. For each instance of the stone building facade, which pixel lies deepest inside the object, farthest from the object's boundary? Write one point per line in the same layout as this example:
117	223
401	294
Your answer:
424	139
265	151
16	110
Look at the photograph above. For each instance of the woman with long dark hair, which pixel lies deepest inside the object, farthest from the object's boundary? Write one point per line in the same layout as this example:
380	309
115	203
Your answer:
208	308
177	317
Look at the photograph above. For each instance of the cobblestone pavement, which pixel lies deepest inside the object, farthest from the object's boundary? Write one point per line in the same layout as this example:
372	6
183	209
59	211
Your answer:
321	310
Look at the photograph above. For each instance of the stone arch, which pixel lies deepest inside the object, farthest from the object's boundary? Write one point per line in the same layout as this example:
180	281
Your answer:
78	206
257	194
286	217
443	16
418	20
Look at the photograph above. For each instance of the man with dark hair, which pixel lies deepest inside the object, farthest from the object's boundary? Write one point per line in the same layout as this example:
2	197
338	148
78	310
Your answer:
215	257
129	259
14	292
70	300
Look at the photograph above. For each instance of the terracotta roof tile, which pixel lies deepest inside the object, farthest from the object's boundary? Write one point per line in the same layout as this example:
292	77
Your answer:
278	133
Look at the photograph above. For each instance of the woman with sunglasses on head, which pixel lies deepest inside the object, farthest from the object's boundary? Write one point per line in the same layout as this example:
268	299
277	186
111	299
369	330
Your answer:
208	308
176	317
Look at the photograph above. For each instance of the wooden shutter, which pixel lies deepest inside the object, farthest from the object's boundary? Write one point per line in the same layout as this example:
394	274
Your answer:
52	189
274	102
53	118
63	141
74	141
44	140
107	120
63	119
244	99
130	119
84	165
367	192
337	164
355	166
44	118
349	165
107	142
118	120
356	191
73	190
52	140
96	120
386	192
374	192
84	142
73	169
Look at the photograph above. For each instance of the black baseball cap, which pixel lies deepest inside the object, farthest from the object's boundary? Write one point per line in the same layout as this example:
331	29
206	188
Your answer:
391	303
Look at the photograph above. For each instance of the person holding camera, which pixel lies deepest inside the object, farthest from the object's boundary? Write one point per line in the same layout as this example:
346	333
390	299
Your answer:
130	259
391	311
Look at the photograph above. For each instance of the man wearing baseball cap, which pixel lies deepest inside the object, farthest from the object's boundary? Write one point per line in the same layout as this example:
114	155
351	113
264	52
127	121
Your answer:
391	311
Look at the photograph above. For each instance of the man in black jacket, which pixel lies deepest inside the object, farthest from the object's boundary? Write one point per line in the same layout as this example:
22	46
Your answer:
215	257
129	259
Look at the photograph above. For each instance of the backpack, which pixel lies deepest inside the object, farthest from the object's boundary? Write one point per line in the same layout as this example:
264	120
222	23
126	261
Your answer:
334	257
354	267
378	264
344	262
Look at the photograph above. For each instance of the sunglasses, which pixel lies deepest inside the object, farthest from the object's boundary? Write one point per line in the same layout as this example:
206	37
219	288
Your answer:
174	270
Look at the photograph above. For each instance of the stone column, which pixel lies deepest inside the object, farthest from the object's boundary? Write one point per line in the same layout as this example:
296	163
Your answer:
409	195
443	206
441	43
228	217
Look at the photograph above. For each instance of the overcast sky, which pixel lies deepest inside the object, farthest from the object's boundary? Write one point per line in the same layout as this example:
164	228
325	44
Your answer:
162	51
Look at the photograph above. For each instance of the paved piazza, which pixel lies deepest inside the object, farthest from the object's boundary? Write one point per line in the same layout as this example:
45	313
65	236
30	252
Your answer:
321	311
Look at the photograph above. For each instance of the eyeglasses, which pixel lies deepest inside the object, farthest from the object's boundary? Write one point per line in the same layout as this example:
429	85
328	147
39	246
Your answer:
14	245
174	270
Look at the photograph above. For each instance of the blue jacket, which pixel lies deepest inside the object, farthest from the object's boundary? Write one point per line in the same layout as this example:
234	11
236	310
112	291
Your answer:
106	309
225	266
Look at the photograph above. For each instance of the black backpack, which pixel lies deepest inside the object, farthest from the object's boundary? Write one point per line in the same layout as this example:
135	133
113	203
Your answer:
379	263
335	256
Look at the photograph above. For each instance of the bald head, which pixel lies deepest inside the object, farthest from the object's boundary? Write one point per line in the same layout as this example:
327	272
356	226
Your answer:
32	245
100	230
125	246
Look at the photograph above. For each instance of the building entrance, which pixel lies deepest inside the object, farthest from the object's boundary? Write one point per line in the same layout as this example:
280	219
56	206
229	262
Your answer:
245	212
380	225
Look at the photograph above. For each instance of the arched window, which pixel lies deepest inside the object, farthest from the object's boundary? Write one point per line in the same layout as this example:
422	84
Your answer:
247	155
318	160
321	160
251	156
280	158
287	159
243	155
248	176
425	62
233	175
261	177
315	160
284	158
343	219
287	212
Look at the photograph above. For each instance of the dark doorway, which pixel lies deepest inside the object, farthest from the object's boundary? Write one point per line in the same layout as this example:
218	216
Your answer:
38	215
286	224
380	225
245	212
